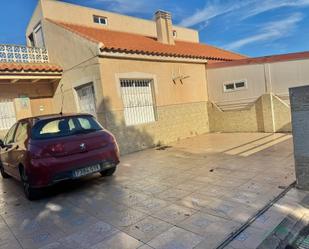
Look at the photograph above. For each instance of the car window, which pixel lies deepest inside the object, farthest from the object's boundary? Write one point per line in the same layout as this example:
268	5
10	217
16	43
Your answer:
9	138
58	127
62	127
21	132
84	123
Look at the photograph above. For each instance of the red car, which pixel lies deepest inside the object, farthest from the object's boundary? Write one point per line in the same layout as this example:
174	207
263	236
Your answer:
44	150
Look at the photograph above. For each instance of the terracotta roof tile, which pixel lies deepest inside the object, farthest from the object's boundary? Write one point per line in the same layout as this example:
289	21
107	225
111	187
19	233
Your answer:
29	67
115	41
262	60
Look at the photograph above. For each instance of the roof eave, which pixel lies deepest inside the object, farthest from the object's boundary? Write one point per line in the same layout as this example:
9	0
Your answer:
151	57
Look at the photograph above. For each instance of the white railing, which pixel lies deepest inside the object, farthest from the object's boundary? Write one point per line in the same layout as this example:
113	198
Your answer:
23	54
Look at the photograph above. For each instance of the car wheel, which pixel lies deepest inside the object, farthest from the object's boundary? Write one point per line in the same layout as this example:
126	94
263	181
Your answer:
108	172
30	193
3	174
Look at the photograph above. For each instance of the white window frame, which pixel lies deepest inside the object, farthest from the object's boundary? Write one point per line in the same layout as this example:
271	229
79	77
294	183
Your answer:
245	87
35	32
105	23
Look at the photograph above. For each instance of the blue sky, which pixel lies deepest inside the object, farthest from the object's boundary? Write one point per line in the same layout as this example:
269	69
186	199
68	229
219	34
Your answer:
251	27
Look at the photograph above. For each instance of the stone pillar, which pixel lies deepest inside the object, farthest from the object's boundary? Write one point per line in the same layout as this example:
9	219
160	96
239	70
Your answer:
299	98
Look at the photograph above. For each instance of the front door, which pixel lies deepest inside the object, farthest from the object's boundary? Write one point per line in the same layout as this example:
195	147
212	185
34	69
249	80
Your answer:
86	99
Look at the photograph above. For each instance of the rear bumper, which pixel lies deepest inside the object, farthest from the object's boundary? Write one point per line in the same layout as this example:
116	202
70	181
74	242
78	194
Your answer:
69	175
48	171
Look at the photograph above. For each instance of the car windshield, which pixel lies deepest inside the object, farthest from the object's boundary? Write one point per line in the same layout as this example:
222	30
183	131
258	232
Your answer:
64	126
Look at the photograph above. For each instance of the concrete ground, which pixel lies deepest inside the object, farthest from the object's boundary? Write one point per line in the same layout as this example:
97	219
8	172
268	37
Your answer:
190	195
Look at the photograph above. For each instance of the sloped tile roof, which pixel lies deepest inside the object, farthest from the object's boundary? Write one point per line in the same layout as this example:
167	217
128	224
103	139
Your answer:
29	67
115	41
261	60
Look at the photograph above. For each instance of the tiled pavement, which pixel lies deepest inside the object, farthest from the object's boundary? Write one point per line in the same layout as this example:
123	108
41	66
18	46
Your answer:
280	226
191	195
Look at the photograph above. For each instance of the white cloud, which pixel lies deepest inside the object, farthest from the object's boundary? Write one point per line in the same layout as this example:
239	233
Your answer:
211	10
241	9
269	32
264	6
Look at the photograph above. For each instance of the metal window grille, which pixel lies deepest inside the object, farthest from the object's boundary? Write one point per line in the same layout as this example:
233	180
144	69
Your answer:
7	114
138	101
23	54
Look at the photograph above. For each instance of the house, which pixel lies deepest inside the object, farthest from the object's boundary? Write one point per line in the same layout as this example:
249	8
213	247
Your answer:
144	80
148	81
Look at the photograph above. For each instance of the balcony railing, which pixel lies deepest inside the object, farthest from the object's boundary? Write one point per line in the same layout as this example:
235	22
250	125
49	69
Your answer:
23	54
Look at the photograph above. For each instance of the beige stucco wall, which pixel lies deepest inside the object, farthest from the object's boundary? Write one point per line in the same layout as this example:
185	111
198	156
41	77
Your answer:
249	119
78	58
181	108
30	99
282	115
174	122
192	90
70	13
268	113
41	106
37	16
32	90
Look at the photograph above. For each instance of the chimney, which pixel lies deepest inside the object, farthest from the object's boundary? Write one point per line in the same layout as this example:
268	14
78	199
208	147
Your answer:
164	27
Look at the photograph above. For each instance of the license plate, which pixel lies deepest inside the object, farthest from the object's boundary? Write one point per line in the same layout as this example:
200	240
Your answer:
86	171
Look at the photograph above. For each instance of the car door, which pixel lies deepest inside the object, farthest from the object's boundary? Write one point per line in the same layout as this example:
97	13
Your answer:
19	149
8	142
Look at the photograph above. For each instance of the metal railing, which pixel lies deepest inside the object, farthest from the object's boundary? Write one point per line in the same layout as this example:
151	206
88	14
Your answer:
23	54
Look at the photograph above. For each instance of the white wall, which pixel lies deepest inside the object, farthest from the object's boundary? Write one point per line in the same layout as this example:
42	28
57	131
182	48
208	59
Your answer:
288	74
274	78
253	74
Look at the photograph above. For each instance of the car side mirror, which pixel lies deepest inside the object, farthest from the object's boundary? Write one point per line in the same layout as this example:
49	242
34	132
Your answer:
1	144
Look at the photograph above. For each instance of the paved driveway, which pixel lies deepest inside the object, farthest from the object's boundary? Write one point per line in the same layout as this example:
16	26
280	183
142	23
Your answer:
190	195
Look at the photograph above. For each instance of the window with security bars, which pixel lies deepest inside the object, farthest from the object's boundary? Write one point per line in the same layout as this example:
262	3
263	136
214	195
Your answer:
138	101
